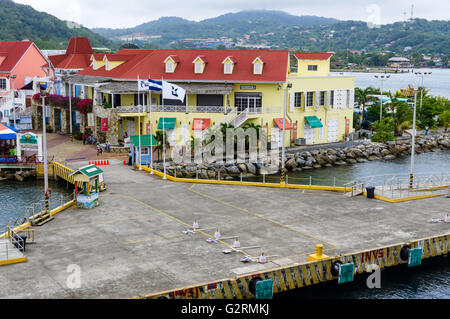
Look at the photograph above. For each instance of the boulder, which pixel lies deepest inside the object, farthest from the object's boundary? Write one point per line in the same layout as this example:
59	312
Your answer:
389	157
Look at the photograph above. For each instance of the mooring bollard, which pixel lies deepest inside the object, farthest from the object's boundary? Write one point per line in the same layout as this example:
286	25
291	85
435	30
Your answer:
241	177
310	180
196	173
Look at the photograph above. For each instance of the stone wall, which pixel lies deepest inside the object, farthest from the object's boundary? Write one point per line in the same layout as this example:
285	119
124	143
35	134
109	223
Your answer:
112	135
315	159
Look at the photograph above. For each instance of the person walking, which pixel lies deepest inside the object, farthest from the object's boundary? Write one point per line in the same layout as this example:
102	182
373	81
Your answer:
107	147
84	138
426	130
99	149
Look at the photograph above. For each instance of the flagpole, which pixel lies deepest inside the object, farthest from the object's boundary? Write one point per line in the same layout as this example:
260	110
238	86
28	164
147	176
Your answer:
151	129
164	132
139	123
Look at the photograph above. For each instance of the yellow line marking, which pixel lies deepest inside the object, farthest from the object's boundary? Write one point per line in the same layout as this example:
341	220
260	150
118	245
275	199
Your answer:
150	239
259	216
13	261
123	219
298	277
306	276
177	220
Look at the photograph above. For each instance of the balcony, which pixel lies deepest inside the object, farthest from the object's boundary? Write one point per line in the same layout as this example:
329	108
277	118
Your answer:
195	109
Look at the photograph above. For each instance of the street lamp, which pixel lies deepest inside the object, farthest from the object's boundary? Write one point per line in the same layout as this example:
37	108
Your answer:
413	143
382	78
70	110
422	75
283	139
13	77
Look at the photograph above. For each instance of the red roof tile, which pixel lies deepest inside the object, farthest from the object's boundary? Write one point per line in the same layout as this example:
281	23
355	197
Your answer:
79	45
313	56
12	51
151	63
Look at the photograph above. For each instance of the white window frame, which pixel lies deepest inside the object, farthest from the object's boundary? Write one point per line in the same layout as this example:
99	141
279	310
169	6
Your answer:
312	99
257	68
170	67
198	67
313	67
227	68
6	86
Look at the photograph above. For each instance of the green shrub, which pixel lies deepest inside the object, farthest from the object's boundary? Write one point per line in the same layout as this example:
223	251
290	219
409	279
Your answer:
48	128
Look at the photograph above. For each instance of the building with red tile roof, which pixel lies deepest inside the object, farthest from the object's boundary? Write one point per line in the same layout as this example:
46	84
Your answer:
77	57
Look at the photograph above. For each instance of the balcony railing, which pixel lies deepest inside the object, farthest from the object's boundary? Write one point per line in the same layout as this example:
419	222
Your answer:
195	109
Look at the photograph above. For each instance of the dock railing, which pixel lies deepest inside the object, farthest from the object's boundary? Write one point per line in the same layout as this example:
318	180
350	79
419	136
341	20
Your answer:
398	186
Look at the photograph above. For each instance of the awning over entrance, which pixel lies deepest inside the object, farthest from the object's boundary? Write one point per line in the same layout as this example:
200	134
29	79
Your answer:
201	124
313	121
166	123
146	140
279	123
6	133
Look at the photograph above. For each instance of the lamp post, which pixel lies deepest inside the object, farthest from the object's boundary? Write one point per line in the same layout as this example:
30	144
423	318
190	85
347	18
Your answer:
413	143
44	135
70	111
283	138
13	77
382	78
422	75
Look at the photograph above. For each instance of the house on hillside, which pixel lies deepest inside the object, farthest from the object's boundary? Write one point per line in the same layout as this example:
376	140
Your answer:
399	62
20	63
235	87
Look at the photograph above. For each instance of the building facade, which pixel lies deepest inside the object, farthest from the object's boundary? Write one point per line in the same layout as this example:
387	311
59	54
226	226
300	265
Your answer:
236	87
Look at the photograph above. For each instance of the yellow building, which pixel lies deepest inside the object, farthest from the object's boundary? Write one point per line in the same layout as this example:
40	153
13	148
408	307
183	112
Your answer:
222	86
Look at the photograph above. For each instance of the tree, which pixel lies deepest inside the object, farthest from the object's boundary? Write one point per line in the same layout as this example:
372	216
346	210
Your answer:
361	97
160	136
444	119
129	46
401	115
383	130
444	61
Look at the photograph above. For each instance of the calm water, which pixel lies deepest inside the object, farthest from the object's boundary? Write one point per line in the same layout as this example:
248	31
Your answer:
438	82
15	196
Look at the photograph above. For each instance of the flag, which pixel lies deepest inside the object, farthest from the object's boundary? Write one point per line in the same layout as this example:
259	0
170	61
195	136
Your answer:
43	86
172	91
150	85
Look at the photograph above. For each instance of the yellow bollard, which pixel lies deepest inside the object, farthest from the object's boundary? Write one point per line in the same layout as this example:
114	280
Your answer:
318	255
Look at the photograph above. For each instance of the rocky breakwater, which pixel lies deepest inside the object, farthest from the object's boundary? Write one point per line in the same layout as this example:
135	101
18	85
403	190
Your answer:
306	160
16	175
368	151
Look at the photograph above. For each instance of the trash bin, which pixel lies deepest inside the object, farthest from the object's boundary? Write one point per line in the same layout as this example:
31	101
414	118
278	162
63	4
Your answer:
20	242
370	192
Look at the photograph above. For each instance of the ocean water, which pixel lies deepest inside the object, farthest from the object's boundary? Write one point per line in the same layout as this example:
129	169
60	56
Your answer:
438	82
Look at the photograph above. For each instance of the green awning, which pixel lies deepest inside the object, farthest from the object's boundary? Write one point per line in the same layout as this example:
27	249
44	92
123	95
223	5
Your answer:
146	140
314	121
169	123
89	171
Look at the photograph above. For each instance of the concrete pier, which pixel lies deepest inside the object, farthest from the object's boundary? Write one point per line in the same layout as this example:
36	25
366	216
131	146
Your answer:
133	243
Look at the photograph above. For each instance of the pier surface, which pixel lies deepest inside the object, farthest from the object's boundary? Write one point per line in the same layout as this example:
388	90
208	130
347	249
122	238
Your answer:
133	243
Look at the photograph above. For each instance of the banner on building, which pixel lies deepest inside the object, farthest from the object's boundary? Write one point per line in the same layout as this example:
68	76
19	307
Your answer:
104	125
77	117
90	118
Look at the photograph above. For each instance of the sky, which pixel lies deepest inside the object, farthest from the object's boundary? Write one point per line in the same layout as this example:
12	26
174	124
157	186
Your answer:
130	13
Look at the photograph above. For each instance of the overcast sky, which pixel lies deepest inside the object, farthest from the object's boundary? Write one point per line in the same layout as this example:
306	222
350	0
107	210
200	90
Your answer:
129	13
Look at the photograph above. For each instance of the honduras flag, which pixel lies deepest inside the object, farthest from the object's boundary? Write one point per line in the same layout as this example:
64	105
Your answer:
150	85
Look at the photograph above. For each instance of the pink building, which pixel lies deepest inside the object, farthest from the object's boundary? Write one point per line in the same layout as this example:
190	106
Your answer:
20	62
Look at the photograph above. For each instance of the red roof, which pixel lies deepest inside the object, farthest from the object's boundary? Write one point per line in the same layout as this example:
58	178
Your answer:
279	123
79	45
313	56
151	63
78	55
12	52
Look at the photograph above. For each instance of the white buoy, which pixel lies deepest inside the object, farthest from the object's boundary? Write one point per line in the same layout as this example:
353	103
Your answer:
237	243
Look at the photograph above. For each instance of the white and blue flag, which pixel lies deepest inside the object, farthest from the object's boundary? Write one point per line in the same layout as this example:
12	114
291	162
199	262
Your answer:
150	85
172	91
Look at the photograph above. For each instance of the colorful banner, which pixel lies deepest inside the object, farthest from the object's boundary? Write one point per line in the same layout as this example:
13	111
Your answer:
104	125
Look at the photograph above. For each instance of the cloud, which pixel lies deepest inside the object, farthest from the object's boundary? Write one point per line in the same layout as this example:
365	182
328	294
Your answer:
129	13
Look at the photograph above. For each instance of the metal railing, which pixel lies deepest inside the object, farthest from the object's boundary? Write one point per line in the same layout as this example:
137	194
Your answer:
36	208
397	186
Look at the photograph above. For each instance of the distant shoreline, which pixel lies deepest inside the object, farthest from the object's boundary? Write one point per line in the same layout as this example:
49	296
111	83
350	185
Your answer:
384	70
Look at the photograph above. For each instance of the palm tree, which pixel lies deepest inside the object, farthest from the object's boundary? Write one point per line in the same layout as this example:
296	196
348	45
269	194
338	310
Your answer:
160	136
362	97
401	115
254	127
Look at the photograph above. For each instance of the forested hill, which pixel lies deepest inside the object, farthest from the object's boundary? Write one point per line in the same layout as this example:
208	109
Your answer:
19	22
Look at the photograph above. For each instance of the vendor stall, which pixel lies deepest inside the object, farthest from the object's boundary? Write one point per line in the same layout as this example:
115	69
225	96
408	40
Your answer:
8	145
88	179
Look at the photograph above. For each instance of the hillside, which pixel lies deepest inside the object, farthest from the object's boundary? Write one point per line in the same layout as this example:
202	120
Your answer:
21	22
231	25
277	29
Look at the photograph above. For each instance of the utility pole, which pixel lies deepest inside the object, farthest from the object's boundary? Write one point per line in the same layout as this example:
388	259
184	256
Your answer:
413	144
70	110
422	87
382	78
13	77
283	138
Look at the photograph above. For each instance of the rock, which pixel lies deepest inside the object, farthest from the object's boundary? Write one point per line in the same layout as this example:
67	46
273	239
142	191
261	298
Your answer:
251	168
351	161
361	160
300	162
389	157
242	167
233	170
373	158
341	163
291	164
317	166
